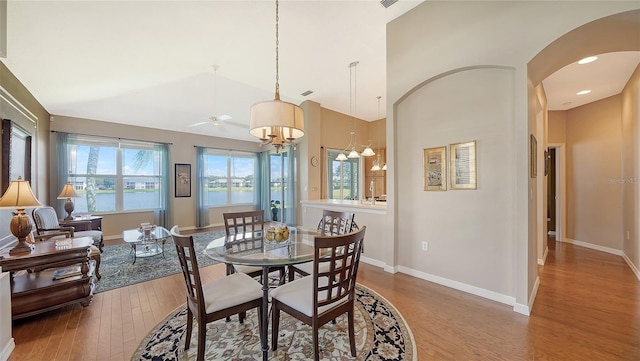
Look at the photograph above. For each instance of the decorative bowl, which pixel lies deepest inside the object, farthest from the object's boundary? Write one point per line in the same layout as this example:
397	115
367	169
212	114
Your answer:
277	234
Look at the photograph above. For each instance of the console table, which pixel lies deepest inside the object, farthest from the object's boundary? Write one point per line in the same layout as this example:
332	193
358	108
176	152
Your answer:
33	287
83	223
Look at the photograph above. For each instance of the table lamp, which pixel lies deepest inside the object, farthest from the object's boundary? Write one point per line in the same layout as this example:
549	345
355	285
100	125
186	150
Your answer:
68	192
19	196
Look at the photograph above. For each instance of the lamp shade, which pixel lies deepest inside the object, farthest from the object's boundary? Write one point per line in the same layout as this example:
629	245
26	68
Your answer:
341	156
367	152
68	191
270	118
19	195
353	154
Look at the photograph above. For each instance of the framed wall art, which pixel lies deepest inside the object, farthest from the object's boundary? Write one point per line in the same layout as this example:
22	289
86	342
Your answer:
183	180
533	150
435	169
463	173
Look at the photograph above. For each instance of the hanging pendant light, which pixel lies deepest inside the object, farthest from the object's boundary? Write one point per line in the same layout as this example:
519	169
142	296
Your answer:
376	163
276	122
353	153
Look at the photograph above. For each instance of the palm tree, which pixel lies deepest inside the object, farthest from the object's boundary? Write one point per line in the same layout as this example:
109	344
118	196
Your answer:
142	158
92	168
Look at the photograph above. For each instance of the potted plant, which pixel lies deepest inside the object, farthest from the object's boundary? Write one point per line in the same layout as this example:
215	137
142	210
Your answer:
275	205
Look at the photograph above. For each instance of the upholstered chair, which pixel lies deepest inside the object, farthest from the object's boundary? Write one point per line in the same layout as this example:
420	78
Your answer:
327	293
332	223
46	221
214	300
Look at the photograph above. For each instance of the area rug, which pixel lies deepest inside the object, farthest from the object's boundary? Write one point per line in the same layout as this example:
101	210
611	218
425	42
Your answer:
381	334
118	270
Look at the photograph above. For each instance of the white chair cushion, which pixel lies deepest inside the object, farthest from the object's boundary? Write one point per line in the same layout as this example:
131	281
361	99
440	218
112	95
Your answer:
298	295
230	291
305	267
95	235
246	269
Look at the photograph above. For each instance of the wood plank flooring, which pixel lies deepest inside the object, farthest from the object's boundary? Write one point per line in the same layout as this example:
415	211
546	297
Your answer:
587	308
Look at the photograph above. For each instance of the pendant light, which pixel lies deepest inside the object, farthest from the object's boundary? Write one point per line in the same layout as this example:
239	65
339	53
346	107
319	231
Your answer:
276	122
376	163
353	153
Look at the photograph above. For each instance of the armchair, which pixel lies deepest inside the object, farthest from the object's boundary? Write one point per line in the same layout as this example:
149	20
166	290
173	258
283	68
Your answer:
64	232
46	221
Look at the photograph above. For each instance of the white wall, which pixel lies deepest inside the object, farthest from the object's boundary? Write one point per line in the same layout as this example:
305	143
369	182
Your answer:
473	227
436	38
631	172
6	341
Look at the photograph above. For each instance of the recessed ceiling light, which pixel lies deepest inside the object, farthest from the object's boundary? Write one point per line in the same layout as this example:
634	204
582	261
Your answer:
588	60
583	92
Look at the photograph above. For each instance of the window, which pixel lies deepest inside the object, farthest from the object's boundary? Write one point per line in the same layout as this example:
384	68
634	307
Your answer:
228	177
343	176
111	175
279	174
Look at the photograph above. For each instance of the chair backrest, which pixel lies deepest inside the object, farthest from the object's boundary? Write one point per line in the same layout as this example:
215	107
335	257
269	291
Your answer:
335	267
45	218
241	222
335	223
190	271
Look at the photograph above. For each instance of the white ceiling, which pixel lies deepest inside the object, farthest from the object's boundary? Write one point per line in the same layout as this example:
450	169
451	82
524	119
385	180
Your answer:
149	63
605	77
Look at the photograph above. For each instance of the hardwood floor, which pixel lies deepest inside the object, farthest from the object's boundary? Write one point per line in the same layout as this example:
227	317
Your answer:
587	308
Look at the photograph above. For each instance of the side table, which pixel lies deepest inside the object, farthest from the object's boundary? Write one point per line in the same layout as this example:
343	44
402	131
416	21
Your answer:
83	223
37	290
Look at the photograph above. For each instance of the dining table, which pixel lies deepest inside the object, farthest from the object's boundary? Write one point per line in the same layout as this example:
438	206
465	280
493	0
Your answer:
266	249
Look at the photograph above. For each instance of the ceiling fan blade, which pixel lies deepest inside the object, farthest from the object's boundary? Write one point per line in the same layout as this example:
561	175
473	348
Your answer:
196	124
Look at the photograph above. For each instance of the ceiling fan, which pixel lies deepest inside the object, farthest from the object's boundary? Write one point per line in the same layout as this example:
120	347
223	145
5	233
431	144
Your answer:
220	119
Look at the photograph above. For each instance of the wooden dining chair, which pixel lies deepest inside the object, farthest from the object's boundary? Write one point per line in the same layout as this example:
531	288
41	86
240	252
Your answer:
325	295
242	222
332	223
221	298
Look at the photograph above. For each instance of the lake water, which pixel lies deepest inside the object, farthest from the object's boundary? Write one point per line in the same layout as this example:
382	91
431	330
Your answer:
106	202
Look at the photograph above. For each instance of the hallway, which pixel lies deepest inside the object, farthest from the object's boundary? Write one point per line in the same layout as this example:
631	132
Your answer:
588	300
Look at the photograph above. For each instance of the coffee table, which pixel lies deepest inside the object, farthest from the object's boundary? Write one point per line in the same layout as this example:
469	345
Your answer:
146	244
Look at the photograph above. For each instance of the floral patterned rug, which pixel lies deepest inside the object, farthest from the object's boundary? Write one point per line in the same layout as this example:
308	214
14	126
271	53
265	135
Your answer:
381	335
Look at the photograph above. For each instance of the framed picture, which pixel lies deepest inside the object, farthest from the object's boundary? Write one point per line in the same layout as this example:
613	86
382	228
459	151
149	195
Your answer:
463	172
533	156
435	169
183	180
547	161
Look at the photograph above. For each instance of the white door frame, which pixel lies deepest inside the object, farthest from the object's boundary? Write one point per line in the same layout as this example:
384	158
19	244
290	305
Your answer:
561	191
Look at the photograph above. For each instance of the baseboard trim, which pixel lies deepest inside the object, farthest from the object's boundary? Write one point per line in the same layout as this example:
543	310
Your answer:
633	267
542	261
373	262
617	252
7	350
494	296
526	309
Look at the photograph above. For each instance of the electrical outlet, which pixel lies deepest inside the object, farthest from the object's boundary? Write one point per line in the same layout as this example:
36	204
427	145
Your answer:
425	246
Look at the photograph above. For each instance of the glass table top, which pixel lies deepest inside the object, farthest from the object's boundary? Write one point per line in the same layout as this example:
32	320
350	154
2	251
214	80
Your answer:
137	235
253	248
